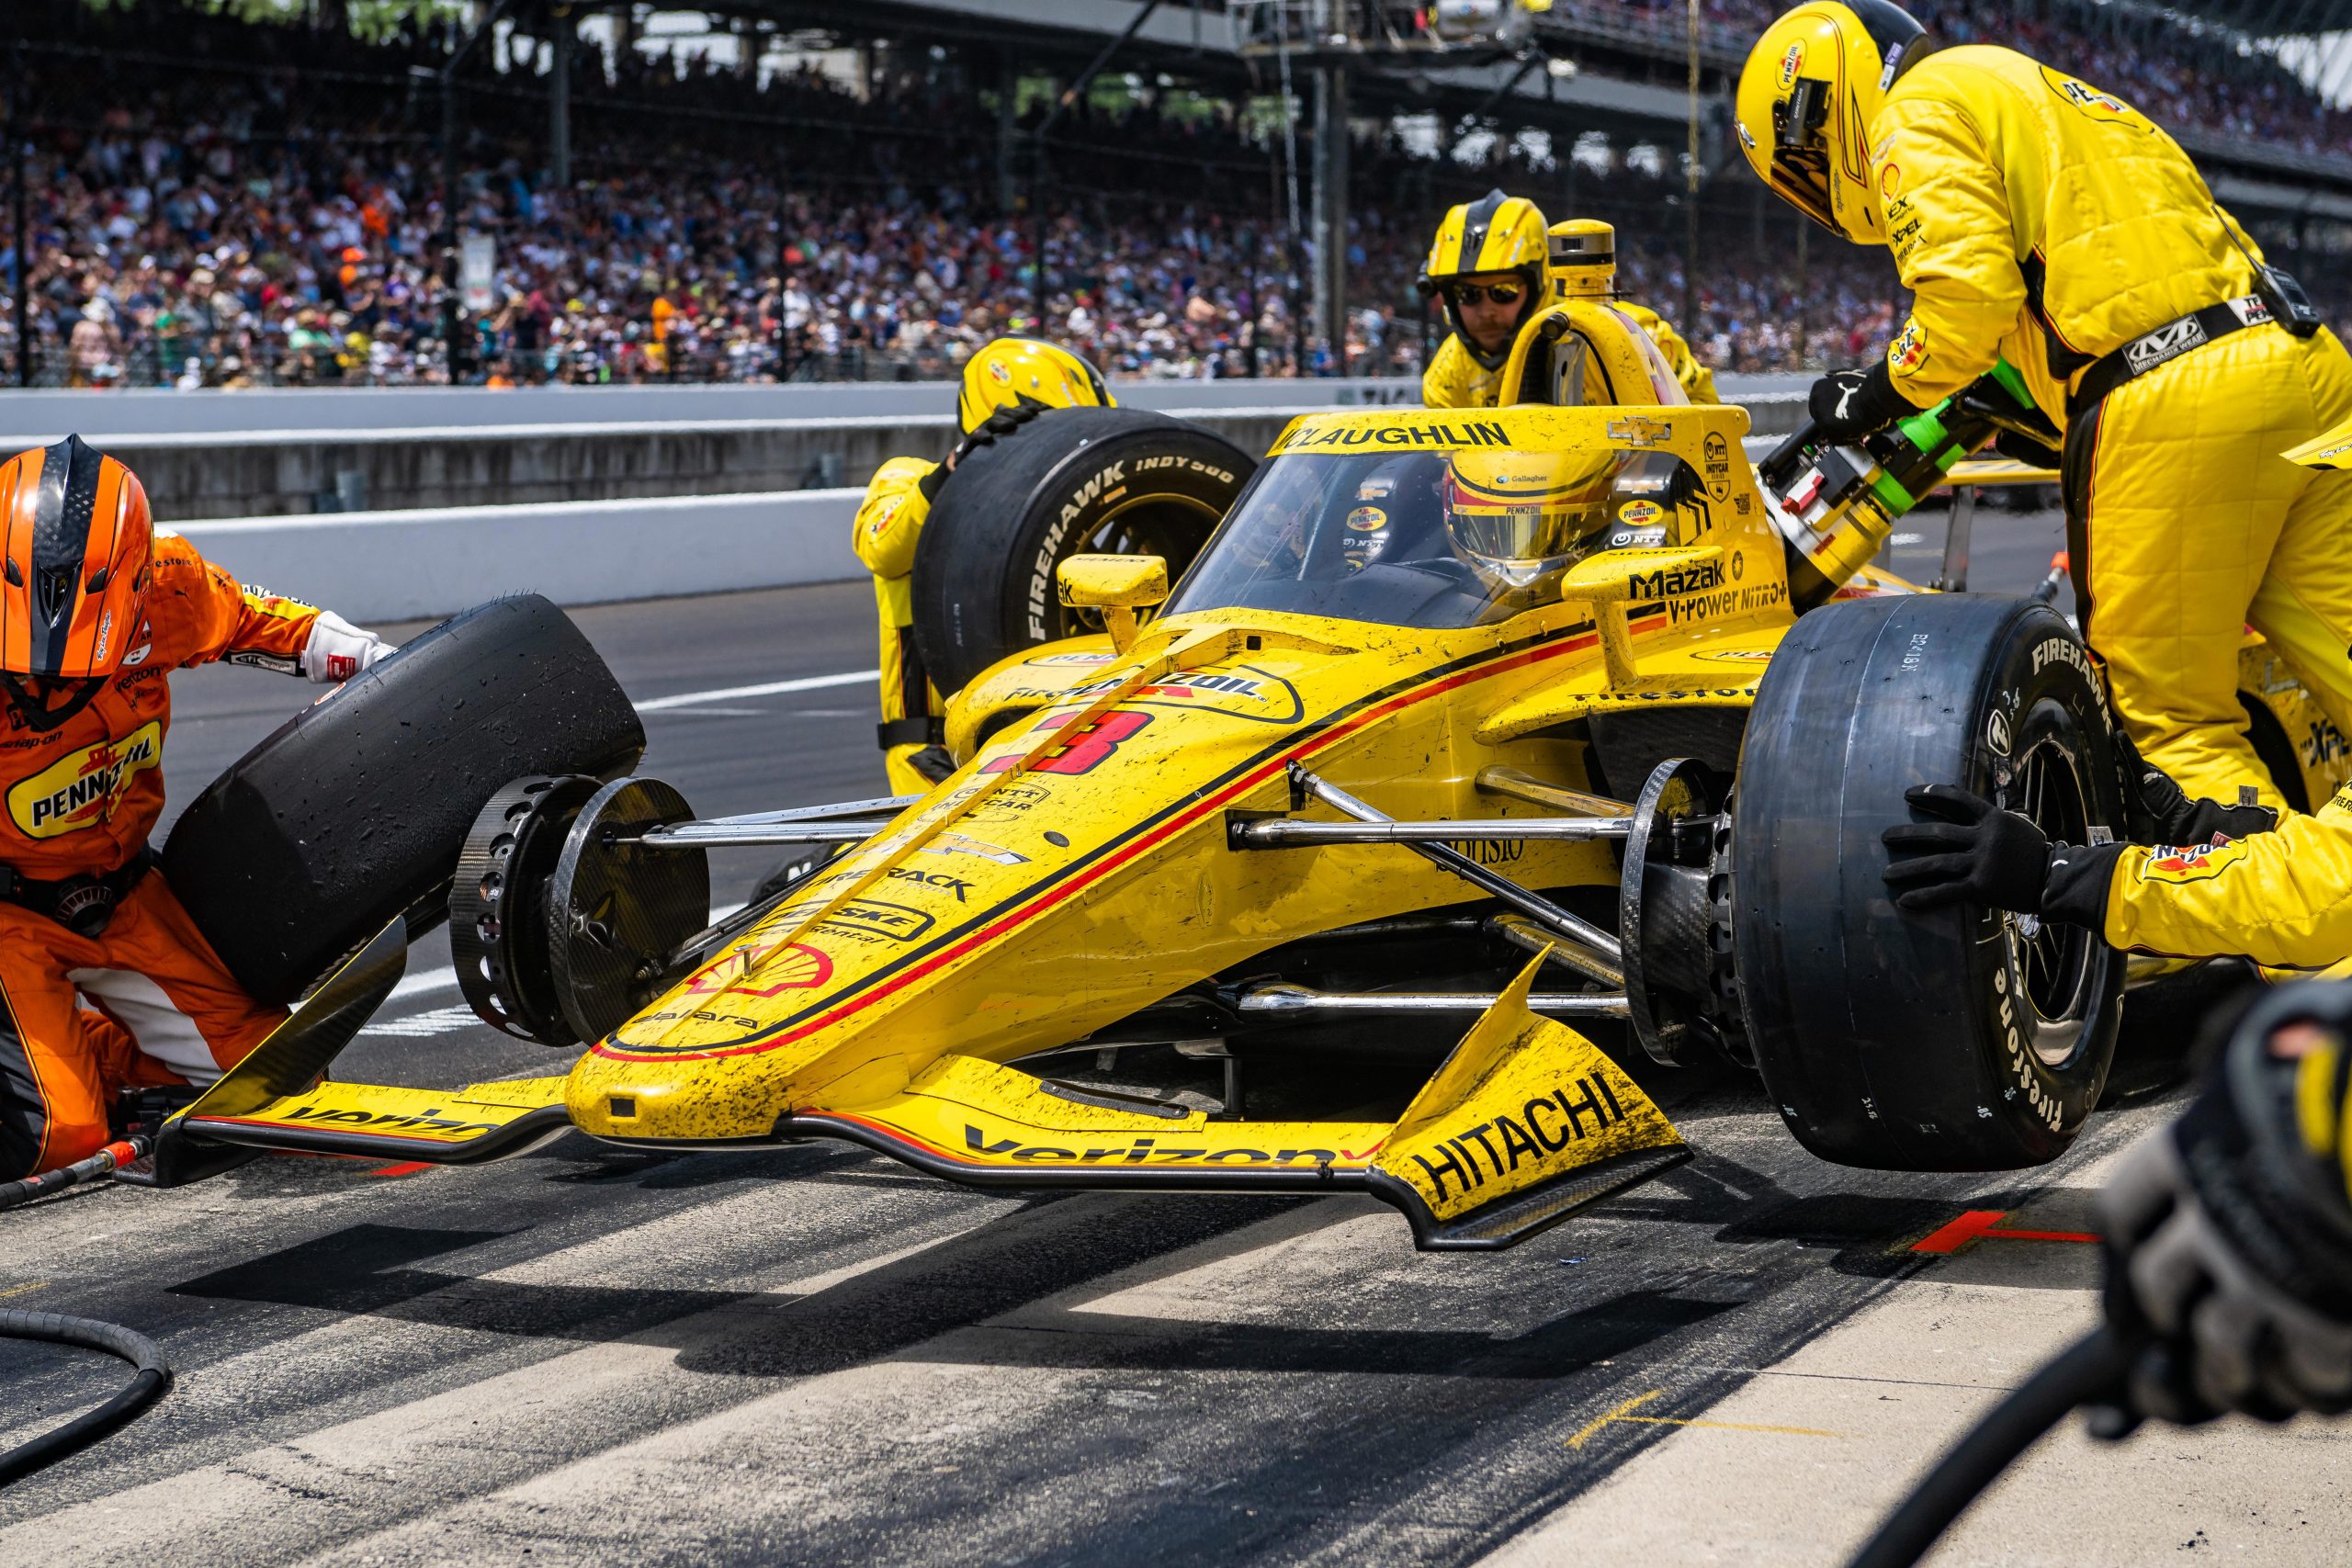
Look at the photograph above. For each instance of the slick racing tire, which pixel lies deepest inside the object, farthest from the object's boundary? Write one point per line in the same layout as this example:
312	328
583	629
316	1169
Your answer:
1963	1039
1070	482
354	810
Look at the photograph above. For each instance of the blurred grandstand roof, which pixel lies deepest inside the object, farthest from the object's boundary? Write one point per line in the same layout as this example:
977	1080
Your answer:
2270	18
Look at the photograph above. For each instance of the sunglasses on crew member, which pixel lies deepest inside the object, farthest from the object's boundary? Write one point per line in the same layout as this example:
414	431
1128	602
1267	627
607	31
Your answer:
1471	293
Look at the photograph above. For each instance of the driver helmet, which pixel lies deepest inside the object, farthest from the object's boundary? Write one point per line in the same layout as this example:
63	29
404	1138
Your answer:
1516	517
1016	370
74	542
1495	234
1811	88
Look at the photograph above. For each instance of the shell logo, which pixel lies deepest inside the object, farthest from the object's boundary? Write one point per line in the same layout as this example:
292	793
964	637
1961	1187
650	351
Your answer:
1890	180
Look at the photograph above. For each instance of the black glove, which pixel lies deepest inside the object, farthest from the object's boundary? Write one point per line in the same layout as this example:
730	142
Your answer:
1847	405
2229	1235
1986	856
2163	813
1004	422
2021	449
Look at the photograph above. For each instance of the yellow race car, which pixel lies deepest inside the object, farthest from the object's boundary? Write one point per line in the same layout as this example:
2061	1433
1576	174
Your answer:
1469	740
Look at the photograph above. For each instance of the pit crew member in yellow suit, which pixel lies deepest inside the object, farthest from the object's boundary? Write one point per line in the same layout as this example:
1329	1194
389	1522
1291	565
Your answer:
2229	1234
1006	384
1488	267
2045	221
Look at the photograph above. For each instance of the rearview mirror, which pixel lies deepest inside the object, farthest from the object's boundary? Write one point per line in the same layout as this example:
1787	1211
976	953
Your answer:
1116	585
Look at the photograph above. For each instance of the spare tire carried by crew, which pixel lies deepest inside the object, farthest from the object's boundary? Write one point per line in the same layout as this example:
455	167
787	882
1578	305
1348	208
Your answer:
1071	481
355	809
1964	1039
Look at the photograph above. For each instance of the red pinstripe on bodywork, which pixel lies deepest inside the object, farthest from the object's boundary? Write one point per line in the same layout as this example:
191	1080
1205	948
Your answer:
1119	857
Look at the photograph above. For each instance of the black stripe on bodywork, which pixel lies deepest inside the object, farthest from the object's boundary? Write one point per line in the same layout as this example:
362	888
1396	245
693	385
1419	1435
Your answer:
1296	739
24	1113
68	495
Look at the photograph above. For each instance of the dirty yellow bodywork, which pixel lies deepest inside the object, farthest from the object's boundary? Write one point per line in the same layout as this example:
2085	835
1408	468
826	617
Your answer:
1077	868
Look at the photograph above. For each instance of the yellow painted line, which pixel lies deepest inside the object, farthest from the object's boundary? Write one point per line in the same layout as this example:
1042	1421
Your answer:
1598	1422
1626	1413
20	1289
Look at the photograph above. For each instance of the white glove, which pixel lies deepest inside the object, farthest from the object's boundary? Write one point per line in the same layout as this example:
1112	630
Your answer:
338	650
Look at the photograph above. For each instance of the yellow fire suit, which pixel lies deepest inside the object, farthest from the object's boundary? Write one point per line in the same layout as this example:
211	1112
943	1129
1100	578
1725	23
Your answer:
889	519
1455	379
2282	899
2041	219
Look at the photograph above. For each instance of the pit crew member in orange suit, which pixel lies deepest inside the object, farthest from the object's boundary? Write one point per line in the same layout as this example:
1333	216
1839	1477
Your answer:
105	983
1006	384
2045	220
1487	266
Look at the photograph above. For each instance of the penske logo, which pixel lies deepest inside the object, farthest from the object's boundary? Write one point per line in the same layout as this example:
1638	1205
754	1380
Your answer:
83	789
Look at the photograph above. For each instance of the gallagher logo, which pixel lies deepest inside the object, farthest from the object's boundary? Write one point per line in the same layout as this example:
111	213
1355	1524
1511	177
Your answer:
83	789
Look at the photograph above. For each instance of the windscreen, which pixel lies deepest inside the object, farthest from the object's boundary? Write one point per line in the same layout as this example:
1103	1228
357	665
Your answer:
1435	539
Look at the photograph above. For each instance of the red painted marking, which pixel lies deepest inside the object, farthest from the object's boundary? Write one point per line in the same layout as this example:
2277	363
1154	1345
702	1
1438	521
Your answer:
1070	886
406	1167
1978	1224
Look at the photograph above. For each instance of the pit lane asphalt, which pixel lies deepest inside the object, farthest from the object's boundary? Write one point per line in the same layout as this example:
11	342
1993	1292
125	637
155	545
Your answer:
813	1355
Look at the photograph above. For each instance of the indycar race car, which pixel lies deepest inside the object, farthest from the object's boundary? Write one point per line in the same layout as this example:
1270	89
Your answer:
1471	740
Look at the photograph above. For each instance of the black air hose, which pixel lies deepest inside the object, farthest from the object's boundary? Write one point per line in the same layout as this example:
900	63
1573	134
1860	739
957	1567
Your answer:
155	1375
2087	1370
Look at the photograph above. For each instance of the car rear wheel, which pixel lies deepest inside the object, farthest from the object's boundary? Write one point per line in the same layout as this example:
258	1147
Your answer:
1071	481
1963	1039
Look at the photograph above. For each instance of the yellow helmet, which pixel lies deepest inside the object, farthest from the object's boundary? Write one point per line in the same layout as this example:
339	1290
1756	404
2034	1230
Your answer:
1516	517
1495	234
1811	87
1013	370
1584	259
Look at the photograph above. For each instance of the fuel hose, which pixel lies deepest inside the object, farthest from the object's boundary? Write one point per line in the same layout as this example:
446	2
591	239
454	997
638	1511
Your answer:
151	1375
2089	1369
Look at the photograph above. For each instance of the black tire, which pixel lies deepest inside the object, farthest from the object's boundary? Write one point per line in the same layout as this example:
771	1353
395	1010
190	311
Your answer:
1896	1041
355	809
1071	481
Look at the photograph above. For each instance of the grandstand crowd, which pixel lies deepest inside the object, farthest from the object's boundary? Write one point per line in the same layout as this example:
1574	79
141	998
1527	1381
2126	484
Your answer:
220	204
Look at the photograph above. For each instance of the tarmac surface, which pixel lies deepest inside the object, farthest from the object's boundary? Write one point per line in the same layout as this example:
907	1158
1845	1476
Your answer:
813	1355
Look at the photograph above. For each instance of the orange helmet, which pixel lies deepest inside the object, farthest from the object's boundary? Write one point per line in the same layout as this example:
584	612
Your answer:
74	542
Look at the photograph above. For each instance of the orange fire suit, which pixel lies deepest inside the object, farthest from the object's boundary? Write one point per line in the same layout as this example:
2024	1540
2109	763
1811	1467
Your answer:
890	520
1455	379
2038	219
146	1001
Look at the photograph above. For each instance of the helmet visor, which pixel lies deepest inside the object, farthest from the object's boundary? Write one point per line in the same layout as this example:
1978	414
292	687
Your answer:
1800	166
1524	515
